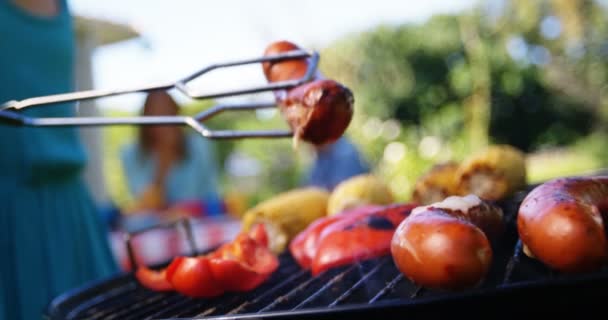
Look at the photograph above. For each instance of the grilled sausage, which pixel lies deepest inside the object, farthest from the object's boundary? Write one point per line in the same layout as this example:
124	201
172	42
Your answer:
561	223
318	111
291	69
447	245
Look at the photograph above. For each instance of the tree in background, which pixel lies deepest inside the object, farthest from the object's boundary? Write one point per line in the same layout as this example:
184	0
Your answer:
527	73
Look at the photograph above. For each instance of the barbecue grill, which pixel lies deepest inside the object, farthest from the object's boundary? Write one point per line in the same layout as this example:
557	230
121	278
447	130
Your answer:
515	286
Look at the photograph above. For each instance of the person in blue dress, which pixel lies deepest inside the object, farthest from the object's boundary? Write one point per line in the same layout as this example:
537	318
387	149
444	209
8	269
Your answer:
335	163
166	166
51	237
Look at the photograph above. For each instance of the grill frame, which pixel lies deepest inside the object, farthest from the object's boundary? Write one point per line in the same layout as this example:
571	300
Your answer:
519	293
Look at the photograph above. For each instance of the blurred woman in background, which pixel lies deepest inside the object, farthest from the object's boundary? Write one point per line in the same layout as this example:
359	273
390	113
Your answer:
334	163
51	237
165	166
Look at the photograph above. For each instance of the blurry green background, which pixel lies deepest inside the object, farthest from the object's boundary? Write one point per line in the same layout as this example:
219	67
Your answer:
529	73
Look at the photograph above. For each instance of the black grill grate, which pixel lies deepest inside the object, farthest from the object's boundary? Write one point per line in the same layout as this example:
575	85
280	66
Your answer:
372	286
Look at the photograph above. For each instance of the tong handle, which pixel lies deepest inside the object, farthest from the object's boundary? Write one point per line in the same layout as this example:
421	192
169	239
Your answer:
182	84
9	116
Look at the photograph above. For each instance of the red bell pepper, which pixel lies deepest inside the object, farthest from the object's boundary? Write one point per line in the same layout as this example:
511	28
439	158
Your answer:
348	237
364	237
240	265
192	276
152	279
243	264
304	246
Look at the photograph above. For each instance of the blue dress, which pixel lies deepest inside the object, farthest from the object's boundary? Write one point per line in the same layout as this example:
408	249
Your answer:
336	163
51	237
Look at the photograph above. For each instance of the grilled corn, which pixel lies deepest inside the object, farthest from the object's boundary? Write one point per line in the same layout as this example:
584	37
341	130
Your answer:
437	184
492	174
359	190
287	214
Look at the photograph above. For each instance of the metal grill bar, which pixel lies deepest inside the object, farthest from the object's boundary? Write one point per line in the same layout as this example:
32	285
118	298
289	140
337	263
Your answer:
513	261
326	286
112	306
286	297
185	225
173	309
224	306
131	309
292	290
96	302
269	293
147	311
389	287
419	290
359	283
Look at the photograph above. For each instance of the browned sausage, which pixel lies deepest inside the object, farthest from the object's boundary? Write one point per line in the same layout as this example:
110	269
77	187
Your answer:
291	69
560	223
446	245
318	111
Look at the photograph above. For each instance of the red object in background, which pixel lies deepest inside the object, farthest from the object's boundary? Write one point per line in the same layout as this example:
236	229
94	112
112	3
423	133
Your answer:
354	235
240	265
200	208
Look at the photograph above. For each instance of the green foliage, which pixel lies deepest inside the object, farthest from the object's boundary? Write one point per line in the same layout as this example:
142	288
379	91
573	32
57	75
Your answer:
414	86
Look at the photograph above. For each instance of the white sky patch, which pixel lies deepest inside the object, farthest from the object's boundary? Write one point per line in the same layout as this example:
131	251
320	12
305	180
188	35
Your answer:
181	36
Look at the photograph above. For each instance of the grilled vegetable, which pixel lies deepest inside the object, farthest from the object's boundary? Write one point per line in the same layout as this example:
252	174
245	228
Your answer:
446	245
493	174
354	235
153	280
318	111
287	214
240	265
305	245
561	223
357	191
437	184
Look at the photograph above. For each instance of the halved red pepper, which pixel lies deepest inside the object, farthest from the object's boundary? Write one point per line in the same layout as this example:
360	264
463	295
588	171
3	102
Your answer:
240	265
153	279
191	276
354	235
243	264
363	237
304	246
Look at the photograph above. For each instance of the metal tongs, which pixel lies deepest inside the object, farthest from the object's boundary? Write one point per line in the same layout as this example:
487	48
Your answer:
9	114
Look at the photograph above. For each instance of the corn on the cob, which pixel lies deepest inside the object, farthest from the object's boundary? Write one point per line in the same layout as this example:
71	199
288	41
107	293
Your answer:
493	174
436	184
359	190
287	214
